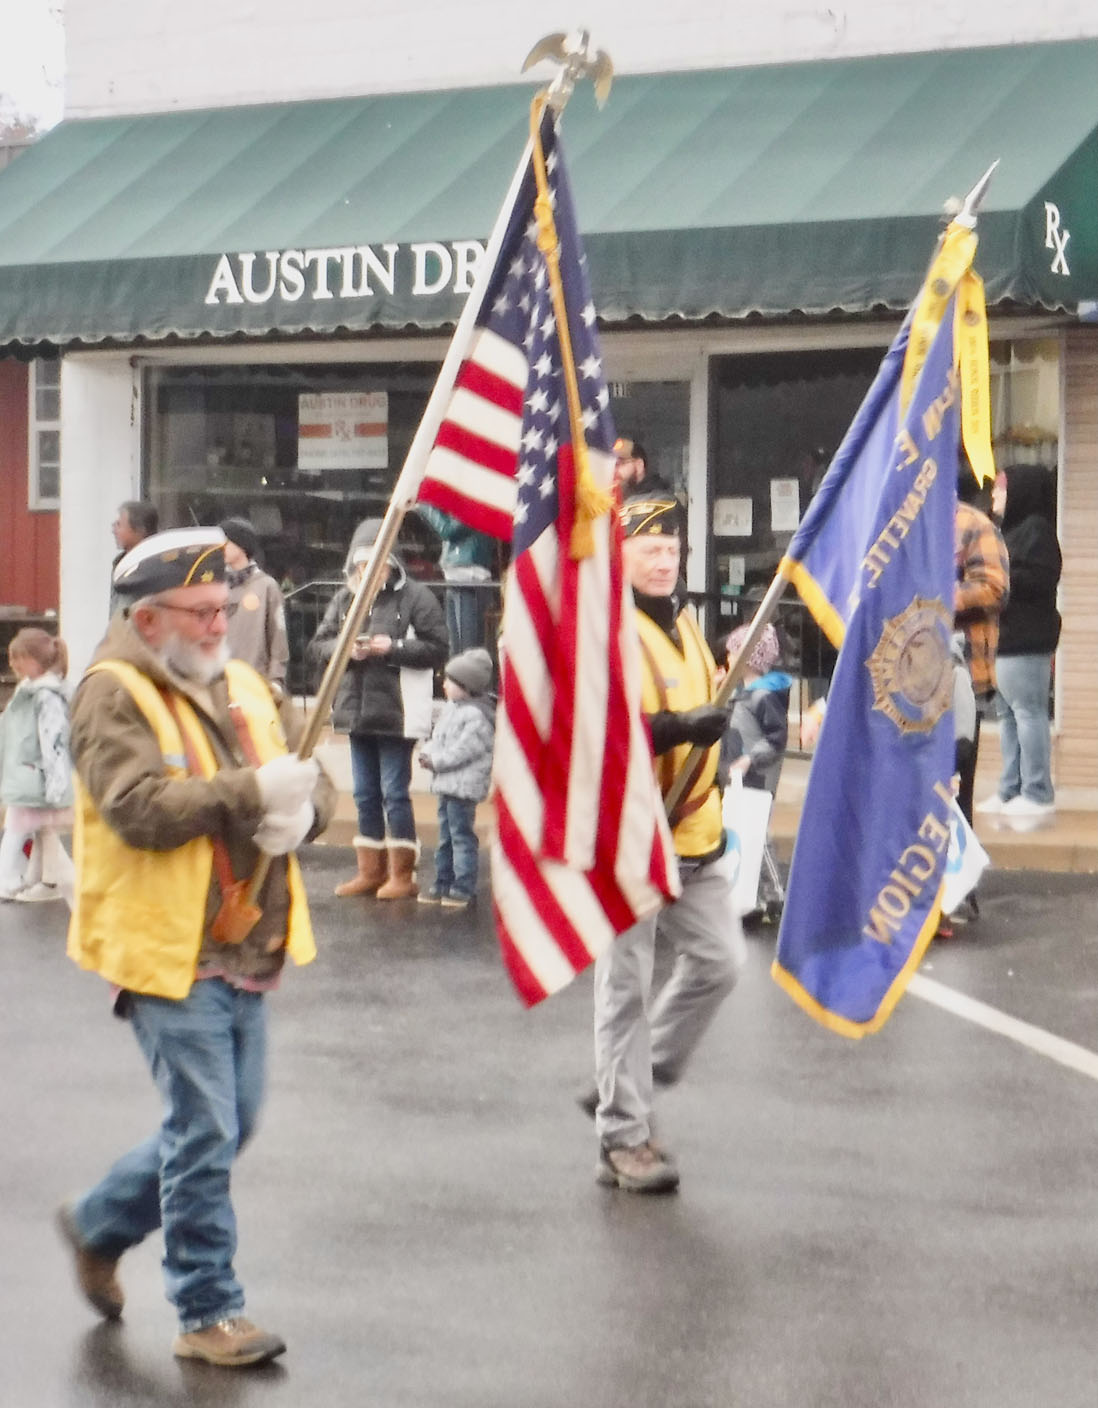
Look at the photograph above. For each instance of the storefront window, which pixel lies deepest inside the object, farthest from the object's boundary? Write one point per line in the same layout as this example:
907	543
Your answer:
304	452
44	449
657	415
1025	401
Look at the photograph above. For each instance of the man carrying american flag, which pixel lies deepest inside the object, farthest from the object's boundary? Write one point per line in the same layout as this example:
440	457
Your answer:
638	1043
522	448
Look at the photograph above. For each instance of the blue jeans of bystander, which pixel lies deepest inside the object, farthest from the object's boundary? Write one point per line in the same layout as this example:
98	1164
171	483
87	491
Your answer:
457	854
1024	733
381	774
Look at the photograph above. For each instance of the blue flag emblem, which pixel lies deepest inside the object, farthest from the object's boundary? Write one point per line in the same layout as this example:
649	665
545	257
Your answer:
873	560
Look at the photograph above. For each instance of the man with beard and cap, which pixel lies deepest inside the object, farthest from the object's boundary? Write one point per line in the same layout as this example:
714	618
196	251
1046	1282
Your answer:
184	777
639	1043
257	613
384	702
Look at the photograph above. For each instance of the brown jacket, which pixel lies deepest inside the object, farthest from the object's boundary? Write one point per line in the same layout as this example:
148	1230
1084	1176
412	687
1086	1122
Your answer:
118	759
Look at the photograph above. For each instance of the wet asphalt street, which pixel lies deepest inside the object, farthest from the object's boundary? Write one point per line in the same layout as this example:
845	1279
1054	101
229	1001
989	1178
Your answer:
909	1221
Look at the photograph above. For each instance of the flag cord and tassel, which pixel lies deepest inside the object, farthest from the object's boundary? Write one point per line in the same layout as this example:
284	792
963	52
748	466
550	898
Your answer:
591	501
950	270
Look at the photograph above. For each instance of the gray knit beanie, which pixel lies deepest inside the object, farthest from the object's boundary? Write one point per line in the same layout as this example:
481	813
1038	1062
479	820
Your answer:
472	669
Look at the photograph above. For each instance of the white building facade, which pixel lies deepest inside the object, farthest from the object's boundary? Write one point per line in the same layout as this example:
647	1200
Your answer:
197	398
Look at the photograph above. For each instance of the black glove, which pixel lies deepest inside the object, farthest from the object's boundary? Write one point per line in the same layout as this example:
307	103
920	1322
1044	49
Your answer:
702	727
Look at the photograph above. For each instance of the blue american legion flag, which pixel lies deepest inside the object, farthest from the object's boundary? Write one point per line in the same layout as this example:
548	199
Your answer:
873	560
582	849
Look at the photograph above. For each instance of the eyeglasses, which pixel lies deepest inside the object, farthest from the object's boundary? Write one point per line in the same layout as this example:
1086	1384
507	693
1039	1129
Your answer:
204	615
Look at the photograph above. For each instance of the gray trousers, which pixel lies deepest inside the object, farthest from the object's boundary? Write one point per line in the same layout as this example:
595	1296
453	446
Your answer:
636	1039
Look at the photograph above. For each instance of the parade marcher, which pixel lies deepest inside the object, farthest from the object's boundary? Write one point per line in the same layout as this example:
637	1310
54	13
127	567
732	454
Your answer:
257	613
384	703
458	755
183	779
638	1042
1029	630
35	771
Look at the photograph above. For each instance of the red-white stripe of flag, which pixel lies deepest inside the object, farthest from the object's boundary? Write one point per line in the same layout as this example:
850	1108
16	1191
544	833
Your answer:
582	848
471	468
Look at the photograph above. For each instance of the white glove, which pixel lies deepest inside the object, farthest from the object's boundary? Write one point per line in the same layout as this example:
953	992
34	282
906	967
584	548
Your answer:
281	832
284	783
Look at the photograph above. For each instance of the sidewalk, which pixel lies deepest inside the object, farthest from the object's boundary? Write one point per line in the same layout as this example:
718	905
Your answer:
1069	843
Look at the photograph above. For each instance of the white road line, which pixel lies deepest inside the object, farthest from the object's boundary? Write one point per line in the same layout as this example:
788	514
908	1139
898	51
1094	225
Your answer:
1076	1058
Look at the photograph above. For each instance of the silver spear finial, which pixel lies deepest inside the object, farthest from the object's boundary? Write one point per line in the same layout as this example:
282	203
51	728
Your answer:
573	53
963	212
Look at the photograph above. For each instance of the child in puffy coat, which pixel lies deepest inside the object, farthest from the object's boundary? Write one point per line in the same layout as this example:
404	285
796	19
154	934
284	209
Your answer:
756	739
36	770
459	757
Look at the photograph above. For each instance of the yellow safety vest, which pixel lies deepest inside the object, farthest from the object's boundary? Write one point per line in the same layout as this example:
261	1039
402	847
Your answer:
139	916
683	680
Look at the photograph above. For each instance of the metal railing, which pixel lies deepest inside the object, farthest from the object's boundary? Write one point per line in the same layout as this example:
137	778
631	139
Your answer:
807	655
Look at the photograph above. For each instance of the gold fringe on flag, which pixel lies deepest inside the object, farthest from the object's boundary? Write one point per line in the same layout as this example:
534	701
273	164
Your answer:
970	344
953	259
591	501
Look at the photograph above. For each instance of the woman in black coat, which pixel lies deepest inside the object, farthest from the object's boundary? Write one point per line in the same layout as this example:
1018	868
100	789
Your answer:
1029	630
384	703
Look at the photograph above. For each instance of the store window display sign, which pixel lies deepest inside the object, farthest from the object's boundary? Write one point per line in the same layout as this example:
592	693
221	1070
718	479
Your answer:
342	430
425	269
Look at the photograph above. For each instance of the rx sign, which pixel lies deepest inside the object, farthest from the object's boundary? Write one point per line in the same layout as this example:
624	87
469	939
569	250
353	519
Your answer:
1056	238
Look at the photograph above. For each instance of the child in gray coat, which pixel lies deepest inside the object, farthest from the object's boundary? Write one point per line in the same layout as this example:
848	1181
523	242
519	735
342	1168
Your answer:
459	757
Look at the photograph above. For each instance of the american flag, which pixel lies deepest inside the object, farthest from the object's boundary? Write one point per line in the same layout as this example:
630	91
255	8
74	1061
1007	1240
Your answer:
582	849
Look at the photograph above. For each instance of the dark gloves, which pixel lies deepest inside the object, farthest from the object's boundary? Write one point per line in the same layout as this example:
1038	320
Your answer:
702	727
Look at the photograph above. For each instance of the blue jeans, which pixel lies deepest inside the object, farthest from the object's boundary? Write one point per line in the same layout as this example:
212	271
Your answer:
207	1055
465	606
1024	733
456	857
381	773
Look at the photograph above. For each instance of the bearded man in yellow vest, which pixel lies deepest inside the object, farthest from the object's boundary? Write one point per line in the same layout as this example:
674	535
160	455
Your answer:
638	1042
184	776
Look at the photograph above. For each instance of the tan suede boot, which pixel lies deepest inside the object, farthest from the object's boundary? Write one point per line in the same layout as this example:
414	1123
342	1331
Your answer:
372	868
401	884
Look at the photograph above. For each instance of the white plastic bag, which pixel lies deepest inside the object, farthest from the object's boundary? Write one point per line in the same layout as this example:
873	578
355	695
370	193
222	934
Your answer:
966	861
746	815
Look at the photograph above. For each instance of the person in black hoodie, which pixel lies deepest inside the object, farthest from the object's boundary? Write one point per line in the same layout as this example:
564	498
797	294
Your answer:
384	703
1029	630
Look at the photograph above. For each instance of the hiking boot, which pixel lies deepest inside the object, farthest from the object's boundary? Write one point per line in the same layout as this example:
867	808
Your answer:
96	1275
642	1169
230	1344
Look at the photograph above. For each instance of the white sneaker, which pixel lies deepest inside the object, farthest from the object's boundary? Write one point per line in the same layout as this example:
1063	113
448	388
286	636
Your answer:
40	891
990	806
8	892
1022	806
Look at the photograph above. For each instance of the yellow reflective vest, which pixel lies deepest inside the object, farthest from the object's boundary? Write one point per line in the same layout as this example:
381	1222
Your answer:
679	680
139	915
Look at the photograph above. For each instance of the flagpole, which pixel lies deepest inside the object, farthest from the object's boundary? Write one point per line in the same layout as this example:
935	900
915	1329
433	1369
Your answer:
966	218
240	913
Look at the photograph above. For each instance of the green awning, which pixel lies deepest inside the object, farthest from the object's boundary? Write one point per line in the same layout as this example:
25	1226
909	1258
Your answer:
811	188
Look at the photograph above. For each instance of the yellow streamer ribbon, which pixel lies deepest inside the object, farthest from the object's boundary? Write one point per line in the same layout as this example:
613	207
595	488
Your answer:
953	259
591	501
970	344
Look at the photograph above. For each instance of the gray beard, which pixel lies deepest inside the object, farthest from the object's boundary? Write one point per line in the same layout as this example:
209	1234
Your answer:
187	661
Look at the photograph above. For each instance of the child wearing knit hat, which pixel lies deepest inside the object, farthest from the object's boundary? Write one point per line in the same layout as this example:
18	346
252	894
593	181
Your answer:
758	733
458	755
